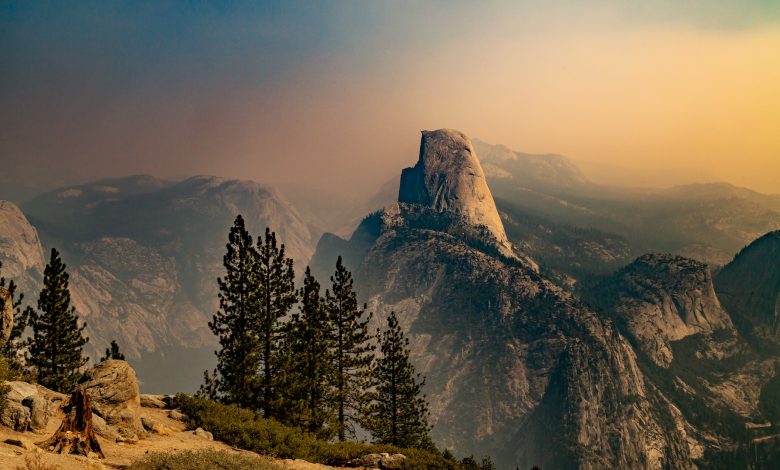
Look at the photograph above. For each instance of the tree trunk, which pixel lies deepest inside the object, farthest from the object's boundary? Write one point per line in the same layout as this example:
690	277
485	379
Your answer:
75	435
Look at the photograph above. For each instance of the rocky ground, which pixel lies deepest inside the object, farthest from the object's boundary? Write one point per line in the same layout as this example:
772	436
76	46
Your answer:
120	454
126	424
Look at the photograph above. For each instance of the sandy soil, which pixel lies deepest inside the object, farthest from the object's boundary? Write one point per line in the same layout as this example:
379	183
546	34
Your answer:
120	455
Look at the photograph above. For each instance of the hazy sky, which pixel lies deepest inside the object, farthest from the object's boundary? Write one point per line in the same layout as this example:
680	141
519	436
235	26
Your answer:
335	93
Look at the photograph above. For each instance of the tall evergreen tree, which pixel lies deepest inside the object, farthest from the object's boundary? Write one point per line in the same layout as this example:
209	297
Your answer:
352	351
399	412
238	360
56	345
308	365
113	352
276	297
12	350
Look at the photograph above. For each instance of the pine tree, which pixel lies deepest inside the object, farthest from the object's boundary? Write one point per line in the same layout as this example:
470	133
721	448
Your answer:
308	363
57	342
352	351
113	352
276	297
209	389
399	413
12	350
238	360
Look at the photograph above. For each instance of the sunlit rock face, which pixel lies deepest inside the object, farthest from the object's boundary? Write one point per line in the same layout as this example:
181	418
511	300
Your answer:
664	298
20	249
449	177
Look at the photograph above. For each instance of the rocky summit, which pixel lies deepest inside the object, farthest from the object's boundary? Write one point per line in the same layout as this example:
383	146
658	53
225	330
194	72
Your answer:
516	367
663	298
449	177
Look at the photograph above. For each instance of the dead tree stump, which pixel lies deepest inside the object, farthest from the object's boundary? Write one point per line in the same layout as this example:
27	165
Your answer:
75	434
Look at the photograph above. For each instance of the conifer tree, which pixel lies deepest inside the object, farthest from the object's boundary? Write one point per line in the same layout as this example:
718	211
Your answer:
56	345
308	362
352	351
12	350
113	352
276	296
238	360
399	412
209	389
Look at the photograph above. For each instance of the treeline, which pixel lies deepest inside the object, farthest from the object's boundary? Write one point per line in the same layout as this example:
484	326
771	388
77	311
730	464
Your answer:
305	357
53	353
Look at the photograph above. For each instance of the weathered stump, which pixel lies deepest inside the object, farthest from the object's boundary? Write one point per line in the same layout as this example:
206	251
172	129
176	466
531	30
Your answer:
75	434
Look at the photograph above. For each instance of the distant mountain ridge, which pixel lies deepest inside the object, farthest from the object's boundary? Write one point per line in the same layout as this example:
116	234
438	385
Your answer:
144	255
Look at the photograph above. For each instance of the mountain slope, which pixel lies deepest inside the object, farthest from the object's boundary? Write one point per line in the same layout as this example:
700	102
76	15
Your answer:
20	249
516	367
144	256
708	222
662	298
749	286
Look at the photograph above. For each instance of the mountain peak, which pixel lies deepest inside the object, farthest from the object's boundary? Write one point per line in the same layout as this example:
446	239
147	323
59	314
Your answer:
448	177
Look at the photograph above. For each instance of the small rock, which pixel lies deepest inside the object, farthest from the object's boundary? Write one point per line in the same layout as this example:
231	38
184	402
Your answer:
22	442
177	415
39	412
16	416
152	401
200	432
155	427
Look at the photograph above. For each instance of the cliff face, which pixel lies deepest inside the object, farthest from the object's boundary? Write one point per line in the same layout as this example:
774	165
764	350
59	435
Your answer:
749	286
20	249
663	298
448	177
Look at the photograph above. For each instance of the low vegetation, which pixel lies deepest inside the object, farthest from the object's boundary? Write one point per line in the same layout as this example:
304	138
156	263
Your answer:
36	462
248	430
202	459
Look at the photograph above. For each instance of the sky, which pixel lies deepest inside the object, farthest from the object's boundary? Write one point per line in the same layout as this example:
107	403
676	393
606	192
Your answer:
333	94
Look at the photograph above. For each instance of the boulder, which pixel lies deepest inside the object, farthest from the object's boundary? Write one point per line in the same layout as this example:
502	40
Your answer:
20	390
113	393
15	416
200	432
39	412
177	415
22	442
152	401
383	460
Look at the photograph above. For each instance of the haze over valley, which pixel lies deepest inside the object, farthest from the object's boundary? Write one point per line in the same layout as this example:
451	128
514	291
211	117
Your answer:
390	235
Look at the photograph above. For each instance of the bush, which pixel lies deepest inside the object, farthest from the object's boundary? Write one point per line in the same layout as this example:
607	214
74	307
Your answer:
5	374
250	431
202	460
35	462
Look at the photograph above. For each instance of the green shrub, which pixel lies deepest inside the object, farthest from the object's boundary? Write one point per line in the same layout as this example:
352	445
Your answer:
250	431
202	460
5	374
